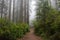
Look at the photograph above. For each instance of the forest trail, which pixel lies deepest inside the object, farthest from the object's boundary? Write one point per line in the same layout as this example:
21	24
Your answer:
31	36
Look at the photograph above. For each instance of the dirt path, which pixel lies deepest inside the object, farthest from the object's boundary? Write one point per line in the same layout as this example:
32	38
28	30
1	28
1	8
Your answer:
31	36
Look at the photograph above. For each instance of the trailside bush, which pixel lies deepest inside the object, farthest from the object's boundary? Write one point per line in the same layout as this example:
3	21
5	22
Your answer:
47	24
50	28
12	31
23	27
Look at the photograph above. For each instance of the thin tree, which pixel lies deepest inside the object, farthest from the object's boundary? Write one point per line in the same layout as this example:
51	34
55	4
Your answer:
2	6
10	9
13	9
21	11
27	11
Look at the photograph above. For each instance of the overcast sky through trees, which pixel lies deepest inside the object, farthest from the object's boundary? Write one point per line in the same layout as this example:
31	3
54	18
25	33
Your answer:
33	12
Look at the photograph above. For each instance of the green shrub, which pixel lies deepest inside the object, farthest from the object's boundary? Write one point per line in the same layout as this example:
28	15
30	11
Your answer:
12	31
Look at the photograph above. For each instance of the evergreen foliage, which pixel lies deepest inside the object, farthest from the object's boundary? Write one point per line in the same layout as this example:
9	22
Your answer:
47	23
12	31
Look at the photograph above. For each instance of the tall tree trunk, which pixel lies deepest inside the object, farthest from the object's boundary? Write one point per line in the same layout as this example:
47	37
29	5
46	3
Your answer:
13	9
17	14
21	11
27	11
10	9
2	6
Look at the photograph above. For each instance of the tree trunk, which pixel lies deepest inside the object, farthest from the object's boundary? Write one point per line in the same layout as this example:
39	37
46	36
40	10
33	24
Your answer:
10	9
2	6
13	9
21	11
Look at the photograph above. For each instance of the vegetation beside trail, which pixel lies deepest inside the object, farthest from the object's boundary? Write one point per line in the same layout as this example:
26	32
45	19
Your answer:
12	31
47	24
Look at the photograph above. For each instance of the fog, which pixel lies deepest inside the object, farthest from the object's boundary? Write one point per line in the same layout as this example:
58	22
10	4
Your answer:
33	11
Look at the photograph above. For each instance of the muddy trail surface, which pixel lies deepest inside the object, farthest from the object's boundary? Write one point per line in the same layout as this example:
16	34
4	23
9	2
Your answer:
31	36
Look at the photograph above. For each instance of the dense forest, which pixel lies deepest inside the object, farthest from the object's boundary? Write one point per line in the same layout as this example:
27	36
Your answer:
14	20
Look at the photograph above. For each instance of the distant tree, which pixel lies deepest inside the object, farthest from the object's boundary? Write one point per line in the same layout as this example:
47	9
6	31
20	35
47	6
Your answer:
21	11
27	11
10	1
3	8
13	9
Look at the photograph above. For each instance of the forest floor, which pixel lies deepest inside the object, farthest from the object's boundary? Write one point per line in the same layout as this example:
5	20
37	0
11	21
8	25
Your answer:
31	36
